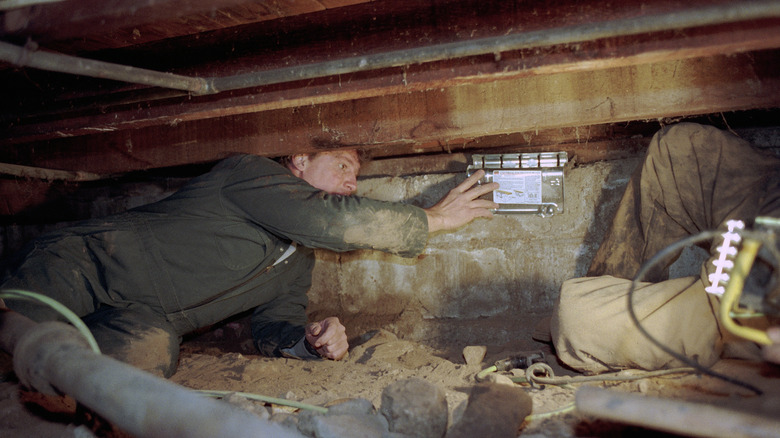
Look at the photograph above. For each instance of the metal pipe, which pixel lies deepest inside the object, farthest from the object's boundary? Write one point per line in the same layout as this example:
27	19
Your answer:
25	57
53	356
712	15
737	11
7	5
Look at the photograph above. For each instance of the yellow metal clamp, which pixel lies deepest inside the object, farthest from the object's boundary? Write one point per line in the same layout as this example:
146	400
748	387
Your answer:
729	302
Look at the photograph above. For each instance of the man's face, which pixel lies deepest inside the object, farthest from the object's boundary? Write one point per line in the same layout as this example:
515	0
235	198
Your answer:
334	172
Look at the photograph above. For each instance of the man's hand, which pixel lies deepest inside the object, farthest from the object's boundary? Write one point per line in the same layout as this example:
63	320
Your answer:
328	337
462	205
772	352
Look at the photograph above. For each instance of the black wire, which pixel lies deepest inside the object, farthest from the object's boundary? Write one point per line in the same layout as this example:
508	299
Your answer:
671	249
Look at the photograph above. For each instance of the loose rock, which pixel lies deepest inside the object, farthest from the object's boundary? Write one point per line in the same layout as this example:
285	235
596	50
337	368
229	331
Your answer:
494	410
474	354
499	379
348	426
416	408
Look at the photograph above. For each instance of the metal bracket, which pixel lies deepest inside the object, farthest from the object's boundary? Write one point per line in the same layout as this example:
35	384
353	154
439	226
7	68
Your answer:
530	183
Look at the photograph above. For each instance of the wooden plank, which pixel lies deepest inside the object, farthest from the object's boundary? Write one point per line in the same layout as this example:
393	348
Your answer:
79	18
439	120
456	162
337	33
36	200
330	4
33	200
604	54
83	25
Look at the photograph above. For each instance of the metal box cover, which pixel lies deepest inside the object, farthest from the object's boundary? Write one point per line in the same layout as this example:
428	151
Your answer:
530	183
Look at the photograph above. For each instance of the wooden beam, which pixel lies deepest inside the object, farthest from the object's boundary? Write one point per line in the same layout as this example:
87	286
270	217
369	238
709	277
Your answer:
599	55
120	23
33	198
438	120
456	162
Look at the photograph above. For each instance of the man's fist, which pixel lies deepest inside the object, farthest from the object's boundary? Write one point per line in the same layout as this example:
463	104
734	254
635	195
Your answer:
328	337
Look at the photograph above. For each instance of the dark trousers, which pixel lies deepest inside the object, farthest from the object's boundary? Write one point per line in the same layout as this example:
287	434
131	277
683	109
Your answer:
140	333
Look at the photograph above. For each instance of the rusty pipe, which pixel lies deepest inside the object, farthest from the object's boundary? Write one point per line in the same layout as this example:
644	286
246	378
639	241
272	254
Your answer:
51	61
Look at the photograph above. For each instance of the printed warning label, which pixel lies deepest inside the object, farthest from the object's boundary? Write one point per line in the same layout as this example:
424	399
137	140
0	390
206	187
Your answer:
518	186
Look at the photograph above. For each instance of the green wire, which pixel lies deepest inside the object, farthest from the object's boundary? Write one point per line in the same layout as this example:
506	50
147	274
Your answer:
54	304
568	408
272	400
483	374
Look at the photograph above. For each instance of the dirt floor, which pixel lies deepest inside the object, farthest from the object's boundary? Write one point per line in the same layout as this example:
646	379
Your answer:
224	359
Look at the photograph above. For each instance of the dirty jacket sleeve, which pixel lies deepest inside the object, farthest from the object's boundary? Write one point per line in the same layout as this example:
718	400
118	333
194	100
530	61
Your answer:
288	207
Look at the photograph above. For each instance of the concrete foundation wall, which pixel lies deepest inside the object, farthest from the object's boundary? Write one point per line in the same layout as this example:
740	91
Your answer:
484	283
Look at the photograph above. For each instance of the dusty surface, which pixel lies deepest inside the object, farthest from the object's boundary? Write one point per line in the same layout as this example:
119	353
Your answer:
224	360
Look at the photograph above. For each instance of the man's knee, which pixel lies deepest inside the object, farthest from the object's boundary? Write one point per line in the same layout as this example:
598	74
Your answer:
687	139
593	332
142	339
580	324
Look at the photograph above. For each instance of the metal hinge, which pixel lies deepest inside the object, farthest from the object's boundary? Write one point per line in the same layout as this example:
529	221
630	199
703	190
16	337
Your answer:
528	182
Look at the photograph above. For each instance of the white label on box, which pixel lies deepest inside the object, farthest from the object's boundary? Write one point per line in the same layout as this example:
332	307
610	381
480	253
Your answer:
518	186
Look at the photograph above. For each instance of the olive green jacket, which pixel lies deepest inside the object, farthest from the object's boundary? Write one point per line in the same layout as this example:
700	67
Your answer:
207	252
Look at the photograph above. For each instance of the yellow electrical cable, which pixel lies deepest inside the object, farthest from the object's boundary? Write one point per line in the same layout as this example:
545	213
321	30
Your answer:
730	299
482	375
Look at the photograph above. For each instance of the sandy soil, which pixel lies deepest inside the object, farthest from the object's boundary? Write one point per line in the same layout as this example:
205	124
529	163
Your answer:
223	360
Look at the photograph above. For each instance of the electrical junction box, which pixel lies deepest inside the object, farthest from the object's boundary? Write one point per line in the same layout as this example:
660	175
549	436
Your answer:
530	183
